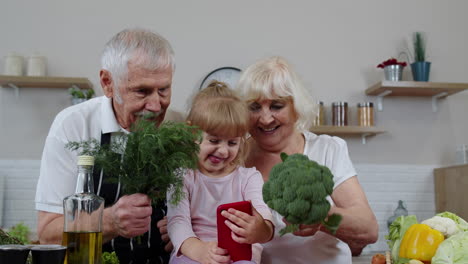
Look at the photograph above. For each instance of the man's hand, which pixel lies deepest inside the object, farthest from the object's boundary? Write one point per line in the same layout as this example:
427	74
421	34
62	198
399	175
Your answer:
248	229
131	215
162	225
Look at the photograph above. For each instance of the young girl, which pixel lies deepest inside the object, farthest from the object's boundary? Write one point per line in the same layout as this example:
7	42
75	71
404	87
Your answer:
220	179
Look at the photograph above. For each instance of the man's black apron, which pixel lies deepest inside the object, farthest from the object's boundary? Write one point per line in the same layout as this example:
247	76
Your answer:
136	250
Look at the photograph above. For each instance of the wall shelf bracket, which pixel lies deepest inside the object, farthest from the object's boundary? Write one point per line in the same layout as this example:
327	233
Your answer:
380	100
435	98
364	136
15	88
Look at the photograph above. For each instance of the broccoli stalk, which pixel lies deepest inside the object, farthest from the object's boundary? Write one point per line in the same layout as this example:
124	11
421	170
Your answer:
297	189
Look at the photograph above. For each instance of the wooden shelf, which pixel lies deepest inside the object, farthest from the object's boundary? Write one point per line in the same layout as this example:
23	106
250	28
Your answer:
44	82
361	131
405	88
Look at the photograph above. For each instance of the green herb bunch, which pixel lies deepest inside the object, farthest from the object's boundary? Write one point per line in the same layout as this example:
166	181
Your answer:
150	160
419	43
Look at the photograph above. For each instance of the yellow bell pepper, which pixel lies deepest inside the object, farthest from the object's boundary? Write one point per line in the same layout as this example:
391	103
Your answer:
420	242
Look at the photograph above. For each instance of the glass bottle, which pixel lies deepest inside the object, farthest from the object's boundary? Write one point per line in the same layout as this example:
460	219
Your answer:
82	230
399	211
319	119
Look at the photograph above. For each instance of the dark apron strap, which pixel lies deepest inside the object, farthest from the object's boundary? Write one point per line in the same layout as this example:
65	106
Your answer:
134	251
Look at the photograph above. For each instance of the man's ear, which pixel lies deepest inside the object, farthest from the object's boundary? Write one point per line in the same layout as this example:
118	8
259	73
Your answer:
106	83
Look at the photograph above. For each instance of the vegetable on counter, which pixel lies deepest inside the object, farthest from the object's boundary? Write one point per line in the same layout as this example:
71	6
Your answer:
445	225
7	239
396	232
454	250
109	258
420	242
297	189
378	259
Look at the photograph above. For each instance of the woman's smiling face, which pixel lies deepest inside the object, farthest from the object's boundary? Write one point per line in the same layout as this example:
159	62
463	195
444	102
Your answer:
271	121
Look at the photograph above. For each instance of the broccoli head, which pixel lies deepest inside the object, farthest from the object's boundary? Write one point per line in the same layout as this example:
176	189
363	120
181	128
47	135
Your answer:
297	189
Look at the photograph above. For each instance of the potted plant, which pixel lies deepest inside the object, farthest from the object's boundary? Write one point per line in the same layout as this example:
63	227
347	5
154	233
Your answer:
420	67
80	95
393	69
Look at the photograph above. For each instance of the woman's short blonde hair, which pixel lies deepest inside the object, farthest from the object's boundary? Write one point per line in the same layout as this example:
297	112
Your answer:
274	77
218	110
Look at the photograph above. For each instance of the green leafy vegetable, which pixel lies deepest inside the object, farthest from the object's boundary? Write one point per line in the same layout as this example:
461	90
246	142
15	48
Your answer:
110	258
150	160
7	239
395	235
21	232
297	189
453	250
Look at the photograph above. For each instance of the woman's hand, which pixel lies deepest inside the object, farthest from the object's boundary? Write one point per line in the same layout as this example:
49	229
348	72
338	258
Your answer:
248	229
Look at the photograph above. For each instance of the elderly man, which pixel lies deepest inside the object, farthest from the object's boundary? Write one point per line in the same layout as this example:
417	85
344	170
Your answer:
136	77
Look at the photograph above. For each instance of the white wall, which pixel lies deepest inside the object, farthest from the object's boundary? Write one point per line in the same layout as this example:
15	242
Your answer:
334	45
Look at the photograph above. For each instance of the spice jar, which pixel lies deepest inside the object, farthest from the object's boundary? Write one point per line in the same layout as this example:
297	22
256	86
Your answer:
365	114
340	113
319	119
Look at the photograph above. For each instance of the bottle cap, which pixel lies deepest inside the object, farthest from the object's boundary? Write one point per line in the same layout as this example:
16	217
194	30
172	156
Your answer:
85	160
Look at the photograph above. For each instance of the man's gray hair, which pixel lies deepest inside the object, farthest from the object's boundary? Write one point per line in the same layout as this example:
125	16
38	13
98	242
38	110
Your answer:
150	50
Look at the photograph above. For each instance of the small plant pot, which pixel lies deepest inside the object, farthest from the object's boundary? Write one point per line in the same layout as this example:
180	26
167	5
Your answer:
48	254
78	100
421	70
13	254
393	72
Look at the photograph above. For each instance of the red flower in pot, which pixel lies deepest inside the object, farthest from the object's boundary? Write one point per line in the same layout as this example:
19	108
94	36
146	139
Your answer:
391	61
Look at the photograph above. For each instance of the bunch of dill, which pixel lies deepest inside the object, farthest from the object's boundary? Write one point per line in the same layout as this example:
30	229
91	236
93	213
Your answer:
150	160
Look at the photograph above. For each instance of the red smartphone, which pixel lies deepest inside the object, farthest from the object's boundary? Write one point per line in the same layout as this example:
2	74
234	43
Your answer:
236	250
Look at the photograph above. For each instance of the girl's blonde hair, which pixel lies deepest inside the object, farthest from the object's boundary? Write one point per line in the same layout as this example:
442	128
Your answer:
218	110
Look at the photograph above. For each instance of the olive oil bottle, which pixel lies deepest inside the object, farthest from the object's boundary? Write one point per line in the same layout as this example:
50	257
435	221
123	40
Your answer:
82	230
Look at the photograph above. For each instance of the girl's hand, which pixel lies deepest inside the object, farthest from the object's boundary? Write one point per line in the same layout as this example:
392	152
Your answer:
248	229
212	254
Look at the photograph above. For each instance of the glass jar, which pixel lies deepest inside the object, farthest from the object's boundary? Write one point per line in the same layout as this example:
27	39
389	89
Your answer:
399	211
319	119
365	114
340	113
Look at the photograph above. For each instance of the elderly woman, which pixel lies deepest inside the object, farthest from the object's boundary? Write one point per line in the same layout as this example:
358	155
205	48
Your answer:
280	113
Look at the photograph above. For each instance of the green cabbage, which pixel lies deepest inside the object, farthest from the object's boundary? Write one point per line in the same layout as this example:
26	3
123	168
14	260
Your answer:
461	224
454	250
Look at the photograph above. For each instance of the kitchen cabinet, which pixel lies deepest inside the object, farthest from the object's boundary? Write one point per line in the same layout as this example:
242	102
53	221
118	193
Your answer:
451	185
406	88
362	131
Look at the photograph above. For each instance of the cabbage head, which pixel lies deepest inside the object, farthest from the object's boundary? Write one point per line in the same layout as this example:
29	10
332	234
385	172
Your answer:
454	250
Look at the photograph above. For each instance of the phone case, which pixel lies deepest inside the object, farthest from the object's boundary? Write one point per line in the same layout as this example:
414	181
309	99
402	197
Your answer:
236	250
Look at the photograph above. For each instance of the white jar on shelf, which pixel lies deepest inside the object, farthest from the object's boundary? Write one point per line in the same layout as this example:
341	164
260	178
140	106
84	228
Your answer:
13	65
36	65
